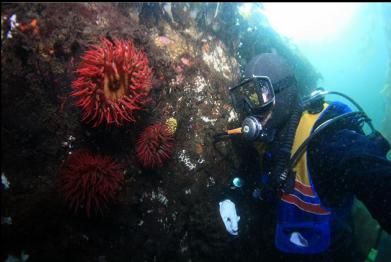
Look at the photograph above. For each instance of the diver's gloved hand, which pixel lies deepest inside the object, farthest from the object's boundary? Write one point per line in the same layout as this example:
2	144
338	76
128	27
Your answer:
229	216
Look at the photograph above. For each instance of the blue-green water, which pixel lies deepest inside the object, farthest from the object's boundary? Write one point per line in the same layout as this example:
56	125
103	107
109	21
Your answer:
355	62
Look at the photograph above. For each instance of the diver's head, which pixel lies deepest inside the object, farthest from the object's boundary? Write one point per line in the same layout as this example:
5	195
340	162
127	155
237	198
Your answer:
277	92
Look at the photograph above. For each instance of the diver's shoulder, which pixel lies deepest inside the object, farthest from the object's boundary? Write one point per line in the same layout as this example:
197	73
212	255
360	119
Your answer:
338	106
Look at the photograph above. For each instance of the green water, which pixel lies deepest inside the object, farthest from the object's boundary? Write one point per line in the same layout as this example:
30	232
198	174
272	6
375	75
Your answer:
356	61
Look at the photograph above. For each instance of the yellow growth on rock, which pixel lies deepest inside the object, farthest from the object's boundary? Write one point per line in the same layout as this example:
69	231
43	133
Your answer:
172	124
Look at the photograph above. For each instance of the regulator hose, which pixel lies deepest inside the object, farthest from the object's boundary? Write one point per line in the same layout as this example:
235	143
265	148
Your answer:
281	174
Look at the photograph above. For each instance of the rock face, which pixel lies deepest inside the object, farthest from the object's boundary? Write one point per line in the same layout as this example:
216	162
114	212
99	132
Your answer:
196	52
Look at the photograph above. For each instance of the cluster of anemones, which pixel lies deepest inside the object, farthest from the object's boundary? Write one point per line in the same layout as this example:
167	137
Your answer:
113	82
90	182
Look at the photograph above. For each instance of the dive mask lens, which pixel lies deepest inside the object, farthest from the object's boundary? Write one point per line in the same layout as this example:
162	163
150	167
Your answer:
253	94
267	95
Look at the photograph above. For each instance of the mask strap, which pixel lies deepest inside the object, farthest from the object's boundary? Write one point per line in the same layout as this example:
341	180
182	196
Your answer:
284	83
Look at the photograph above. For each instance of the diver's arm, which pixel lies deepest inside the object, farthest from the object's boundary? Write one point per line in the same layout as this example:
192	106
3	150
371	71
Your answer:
371	183
369	171
357	165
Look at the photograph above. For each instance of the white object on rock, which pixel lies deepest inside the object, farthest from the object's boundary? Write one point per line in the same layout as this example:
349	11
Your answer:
4	181
229	216
297	239
13	24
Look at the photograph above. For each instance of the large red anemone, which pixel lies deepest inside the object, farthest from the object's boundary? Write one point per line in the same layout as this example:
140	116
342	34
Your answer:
90	182
155	145
113	81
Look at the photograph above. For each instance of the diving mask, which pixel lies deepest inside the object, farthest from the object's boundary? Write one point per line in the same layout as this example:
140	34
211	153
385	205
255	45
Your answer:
253	95
256	95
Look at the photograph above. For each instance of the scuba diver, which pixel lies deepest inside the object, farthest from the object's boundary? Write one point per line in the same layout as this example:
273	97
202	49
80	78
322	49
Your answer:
316	157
